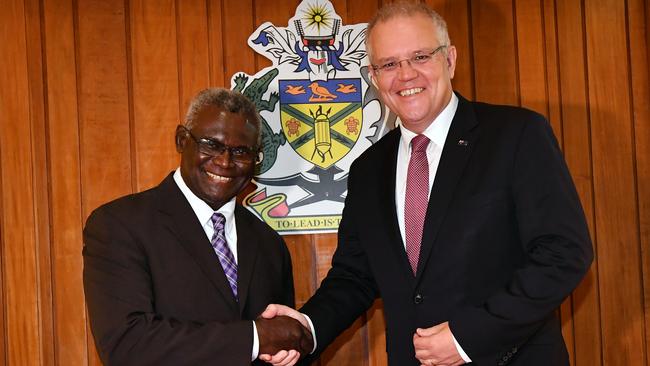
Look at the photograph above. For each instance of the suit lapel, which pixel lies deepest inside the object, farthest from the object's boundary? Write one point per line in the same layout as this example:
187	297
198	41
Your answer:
458	147
181	221
247	249
388	205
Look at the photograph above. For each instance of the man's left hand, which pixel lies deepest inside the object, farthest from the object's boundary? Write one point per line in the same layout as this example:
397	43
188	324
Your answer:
435	346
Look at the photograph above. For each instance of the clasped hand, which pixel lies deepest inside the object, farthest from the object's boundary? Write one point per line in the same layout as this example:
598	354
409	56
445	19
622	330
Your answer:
283	335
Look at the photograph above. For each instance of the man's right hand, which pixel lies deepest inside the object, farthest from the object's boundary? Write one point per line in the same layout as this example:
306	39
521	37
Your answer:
283	333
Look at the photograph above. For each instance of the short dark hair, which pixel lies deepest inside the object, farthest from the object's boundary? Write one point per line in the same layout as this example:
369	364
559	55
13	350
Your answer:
232	101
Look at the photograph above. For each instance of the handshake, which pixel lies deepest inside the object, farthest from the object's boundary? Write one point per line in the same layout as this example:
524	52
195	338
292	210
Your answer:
284	335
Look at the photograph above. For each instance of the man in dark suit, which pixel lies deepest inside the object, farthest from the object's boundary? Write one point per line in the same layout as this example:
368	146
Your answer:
464	220
176	274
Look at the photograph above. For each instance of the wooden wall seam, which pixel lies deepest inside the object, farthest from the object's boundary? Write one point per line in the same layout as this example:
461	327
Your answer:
129	75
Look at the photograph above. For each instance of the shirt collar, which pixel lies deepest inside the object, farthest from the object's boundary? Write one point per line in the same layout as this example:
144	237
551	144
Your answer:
202	210
438	129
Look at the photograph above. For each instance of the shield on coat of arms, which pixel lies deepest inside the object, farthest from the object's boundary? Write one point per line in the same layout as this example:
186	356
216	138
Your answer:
321	120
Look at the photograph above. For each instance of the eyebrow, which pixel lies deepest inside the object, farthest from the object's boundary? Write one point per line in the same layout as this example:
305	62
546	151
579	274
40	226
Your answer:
418	51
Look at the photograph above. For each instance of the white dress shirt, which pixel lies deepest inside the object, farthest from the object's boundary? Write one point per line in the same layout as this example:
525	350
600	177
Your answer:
204	213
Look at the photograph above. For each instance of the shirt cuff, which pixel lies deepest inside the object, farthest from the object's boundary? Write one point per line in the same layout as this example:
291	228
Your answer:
313	331
256	343
462	353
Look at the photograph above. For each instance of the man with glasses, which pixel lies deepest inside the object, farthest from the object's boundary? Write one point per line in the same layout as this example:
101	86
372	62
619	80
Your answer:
175	275
464	219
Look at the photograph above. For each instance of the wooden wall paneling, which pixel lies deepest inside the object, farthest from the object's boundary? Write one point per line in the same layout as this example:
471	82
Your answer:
155	89
238	18
577	152
215	44
63	127
530	53
39	175
20	264
639	36
105	143
303	259
494	51
551	68
614	188
456	14
193	50
376	328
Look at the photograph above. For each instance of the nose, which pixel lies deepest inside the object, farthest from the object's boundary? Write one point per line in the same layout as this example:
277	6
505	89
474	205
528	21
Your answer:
406	70
224	159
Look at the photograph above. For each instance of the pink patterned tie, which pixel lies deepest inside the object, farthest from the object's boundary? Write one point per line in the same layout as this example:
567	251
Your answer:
417	198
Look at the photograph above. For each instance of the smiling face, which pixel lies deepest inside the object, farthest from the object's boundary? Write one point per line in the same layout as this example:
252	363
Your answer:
416	93
217	179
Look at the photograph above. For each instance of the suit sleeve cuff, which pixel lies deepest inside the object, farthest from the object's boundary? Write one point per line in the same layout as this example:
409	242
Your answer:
460	350
313	331
256	343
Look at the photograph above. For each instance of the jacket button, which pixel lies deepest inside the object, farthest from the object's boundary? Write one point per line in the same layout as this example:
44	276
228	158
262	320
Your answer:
418	299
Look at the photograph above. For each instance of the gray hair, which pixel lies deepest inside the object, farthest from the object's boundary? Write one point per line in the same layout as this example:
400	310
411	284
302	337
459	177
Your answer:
408	9
229	100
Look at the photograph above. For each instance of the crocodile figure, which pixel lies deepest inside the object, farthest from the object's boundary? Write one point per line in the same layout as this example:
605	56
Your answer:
271	142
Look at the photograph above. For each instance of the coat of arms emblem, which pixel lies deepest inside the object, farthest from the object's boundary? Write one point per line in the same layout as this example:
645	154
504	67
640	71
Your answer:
319	112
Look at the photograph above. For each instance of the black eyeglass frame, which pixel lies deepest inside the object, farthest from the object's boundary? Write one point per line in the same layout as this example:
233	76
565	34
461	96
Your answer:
215	148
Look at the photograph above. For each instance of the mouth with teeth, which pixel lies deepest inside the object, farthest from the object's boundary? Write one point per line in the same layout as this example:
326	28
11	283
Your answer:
409	92
218	178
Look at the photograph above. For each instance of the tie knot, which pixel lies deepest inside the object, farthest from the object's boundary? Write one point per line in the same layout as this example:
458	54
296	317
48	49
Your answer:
218	221
419	143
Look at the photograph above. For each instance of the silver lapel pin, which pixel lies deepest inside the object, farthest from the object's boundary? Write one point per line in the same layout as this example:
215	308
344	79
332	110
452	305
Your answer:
463	142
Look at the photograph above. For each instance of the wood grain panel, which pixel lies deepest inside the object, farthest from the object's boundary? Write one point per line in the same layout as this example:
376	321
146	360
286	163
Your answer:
530	56
616	209
456	14
237	26
69	329
19	248
105	138
193	51
155	89
40	180
494	51
377	355
215	43
638	26
552	68
577	152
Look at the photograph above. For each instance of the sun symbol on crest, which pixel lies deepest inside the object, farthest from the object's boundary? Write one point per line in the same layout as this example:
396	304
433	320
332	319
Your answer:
318	16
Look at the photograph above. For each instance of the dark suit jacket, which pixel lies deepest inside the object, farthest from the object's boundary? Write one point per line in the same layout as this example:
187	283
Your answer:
505	241
155	289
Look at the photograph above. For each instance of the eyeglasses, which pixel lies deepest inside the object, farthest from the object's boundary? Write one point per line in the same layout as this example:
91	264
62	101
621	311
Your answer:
214	148
419	58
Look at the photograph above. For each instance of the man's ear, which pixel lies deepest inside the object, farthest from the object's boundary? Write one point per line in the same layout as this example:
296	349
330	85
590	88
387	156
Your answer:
451	61
373	80
180	138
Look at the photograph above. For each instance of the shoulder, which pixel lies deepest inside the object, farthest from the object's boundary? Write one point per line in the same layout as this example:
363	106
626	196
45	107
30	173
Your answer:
499	115
248	221
378	153
126	208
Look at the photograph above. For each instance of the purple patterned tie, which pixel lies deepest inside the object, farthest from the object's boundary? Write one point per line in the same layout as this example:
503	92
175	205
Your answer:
417	198
223	251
